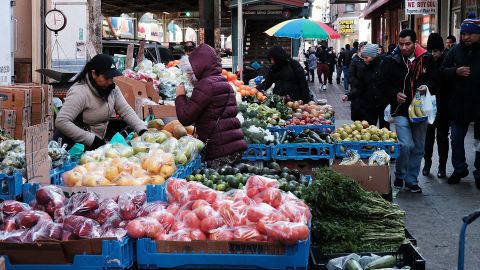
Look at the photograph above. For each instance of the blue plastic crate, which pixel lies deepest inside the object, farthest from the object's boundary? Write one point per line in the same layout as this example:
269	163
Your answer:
116	255
295	256
256	152
299	129
302	151
193	165
366	149
309	179
29	191
11	186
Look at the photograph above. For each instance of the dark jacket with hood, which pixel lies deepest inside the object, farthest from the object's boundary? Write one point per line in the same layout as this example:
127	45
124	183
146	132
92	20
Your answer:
206	104
287	75
400	76
465	91
366	91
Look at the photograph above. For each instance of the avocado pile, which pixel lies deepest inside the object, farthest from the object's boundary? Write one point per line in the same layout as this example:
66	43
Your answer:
227	177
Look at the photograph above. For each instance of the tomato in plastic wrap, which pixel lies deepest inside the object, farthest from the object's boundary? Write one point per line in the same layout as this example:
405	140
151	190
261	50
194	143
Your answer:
271	196
197	235
173	208
161	237
29	218
221	234
180	236
50	193
247	233
165	218
9	208
241	195
17	236
263	211
176	190
79	227
118	233
287	232
211	223
177	226
218	204
234	214
197	191
151	226
198	203
191	221
256	184
135	229
108	210
295	212
205	211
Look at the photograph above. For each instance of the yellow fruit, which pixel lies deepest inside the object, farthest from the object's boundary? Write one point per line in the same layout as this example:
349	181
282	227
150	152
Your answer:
91	166
156	180
82	170
157	124
166	171
111	172
90	180
72	178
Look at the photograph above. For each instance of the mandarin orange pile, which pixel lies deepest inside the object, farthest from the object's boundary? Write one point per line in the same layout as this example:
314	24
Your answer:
241	88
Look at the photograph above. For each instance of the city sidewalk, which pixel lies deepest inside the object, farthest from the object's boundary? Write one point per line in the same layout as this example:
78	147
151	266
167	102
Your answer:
434	218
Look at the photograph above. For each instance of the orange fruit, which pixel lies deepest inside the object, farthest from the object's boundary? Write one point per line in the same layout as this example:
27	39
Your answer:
259	95
224	72
243	93
254	90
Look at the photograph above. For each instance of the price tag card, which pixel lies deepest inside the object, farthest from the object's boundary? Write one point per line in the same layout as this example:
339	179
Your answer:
36	153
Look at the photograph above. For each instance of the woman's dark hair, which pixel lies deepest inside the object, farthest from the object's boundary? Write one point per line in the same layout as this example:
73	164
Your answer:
408	33
83	74
278	54
435	42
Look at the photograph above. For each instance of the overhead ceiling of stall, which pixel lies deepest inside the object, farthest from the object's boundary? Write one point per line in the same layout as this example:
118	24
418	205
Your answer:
117	7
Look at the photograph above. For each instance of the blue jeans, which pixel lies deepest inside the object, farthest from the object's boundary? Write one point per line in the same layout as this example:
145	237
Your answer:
412	147
459	131
345	78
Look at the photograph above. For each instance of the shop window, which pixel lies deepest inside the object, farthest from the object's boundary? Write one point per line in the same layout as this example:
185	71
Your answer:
349	8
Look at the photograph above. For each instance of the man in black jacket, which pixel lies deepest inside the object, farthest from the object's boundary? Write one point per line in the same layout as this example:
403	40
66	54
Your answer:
462	67
356	65
345	58
404	73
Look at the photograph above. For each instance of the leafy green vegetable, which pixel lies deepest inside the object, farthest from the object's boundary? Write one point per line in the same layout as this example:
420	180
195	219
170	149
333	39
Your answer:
348	219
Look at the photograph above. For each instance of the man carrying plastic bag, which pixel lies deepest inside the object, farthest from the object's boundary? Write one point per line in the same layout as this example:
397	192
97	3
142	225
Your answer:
462	67
407	72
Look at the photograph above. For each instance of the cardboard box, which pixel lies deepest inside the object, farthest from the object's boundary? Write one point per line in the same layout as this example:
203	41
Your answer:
24	116
9	119
159	111
131	89
222	247
370	178
151	92
50	252
51	122
38	91
19	134
23	72
15	98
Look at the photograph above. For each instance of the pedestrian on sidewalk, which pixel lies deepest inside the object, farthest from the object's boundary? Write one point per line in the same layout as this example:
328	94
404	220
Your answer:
441	126
462	67
346	58
450	42
356	65
405	72
311	65
339	66
287	74
322	66
332	60
367	92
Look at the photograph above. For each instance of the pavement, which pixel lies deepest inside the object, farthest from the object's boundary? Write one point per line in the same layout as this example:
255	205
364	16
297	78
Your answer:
434	217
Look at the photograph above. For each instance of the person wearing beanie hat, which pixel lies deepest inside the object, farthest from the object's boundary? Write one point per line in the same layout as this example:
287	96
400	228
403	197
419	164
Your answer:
357	64
462	67
441	126
370	50
366	92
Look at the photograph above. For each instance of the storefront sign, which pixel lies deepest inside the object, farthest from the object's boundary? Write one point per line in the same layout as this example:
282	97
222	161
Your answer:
347	26
413	7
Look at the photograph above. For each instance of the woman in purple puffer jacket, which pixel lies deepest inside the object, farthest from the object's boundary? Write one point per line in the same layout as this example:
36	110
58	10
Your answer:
212	108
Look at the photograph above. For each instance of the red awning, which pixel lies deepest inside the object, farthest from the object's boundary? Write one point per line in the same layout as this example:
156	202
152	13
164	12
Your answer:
372	6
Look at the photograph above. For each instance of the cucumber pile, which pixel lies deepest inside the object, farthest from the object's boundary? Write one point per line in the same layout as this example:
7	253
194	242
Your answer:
228	177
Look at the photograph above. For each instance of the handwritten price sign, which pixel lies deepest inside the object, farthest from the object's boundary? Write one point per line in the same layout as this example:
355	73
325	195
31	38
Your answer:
36	153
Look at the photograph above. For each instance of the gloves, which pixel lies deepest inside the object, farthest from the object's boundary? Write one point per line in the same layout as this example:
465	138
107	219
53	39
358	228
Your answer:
141	132
96	143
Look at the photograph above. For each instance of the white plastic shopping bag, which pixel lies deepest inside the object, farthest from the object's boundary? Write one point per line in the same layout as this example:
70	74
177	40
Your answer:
388	114
429	106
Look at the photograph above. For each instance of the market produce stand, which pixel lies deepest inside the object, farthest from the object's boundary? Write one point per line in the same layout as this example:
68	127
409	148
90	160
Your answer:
148	201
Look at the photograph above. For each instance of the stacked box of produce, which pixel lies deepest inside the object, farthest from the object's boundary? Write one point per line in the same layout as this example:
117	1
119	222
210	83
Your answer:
258	217
228	178
151	159
365	139
55	229
309	144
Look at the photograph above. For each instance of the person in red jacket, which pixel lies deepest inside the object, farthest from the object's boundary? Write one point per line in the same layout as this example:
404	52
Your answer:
212	108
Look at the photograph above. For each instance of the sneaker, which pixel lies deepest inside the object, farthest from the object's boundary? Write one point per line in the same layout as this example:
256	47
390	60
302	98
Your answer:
413	188
456	177
398	183
426	169
324	87
338	80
